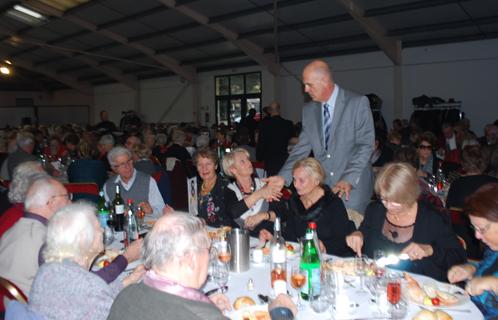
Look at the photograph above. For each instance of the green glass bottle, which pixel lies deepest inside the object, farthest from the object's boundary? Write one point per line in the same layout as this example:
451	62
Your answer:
310	261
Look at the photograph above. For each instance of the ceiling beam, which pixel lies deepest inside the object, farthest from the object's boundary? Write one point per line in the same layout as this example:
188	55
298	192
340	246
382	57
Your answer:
187	72
248	47
374	12
111	72
69	81
390	46
443	26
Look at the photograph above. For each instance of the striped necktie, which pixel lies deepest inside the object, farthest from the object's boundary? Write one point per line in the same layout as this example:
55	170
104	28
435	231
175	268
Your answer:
326	124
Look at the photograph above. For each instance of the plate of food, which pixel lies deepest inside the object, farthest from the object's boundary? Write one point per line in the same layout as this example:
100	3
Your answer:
219	232
430	293
292	250
246	309
106	258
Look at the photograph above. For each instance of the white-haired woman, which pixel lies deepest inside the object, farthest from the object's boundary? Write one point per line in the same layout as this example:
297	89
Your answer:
24	174
314	201
64	288
177	149
246	197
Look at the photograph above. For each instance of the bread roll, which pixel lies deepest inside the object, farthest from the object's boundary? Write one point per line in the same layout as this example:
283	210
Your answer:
441	315
425	315
242	302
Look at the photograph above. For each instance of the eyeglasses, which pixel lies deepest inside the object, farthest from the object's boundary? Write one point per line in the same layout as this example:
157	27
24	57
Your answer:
482	230
122	165
68	196
426	147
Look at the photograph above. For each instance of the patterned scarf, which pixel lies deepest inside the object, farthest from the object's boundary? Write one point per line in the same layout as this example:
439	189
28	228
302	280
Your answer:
161	283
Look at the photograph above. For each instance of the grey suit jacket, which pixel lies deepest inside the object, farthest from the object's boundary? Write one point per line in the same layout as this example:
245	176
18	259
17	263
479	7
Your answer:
350	146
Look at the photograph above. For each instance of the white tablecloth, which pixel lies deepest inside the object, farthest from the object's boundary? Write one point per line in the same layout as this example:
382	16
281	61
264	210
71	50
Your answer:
365	309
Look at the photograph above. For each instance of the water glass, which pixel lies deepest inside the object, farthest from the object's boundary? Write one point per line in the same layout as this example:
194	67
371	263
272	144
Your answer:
220	274
318	303
360	266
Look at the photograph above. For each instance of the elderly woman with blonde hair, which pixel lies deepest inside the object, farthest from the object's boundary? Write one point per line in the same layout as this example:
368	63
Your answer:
64	288
398	223
246	196
313	201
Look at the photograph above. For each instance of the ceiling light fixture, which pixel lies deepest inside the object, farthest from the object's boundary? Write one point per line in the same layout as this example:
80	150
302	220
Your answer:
5	71
8	62
29	12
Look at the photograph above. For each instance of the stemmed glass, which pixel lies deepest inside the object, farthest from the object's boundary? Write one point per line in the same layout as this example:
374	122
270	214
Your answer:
224	251
398	307
298	280
360	266
220	274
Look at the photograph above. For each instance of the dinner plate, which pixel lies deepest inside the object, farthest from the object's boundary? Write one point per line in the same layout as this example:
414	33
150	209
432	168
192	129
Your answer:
256	312
461	295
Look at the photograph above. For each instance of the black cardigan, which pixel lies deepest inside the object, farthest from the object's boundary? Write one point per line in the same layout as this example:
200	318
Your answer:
330	215
431	227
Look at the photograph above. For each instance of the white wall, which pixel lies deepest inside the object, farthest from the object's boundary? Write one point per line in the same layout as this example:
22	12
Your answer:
465	71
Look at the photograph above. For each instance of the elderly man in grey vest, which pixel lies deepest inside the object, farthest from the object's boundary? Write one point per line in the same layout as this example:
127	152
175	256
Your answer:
134	185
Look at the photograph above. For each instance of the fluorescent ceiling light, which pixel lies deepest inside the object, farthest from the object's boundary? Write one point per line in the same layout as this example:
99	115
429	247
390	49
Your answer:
7	61
29	12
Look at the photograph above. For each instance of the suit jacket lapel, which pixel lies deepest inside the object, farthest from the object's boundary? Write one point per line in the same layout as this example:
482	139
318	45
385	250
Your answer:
340	104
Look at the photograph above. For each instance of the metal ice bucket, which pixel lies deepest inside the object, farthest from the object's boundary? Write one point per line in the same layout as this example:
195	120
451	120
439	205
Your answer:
239	244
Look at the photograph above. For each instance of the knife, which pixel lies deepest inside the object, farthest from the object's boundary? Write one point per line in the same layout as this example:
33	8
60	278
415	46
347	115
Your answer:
216	290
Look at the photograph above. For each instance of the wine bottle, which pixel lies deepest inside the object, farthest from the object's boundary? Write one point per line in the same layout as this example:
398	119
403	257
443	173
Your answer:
310	262
131	224
278	253
102	210
119	209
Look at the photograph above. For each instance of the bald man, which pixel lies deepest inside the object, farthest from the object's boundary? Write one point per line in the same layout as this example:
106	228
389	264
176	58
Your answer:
338	128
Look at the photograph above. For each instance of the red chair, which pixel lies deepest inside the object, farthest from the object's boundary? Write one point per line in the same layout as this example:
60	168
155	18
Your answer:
259	167
179	190
83	191
11	291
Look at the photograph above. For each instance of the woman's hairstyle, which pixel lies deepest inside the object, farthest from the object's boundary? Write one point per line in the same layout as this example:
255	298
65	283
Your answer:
312	167
142	151
24	174
116	152
85	151
474	159
398	182
428	137
107	139
229	160
205	153
70	233
24	138
173	237
483	203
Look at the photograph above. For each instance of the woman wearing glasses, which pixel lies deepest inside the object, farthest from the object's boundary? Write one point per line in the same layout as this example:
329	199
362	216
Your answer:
427	163
482	278
401	224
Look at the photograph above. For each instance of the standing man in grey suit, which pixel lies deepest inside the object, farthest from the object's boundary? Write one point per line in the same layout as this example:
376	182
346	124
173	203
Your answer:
338	128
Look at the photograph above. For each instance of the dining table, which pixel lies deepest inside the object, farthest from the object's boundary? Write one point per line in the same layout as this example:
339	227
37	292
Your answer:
349	302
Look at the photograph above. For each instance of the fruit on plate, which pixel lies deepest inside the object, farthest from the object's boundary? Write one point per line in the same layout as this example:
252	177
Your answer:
428	295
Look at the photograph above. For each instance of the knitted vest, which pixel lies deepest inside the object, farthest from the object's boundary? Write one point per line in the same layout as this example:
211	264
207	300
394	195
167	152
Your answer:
138	192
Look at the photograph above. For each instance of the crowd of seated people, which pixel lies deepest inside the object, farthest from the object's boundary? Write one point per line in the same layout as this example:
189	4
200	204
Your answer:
406	214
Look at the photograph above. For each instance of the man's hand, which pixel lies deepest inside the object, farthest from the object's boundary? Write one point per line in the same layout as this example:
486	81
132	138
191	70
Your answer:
265	235
478	285
135	276
461	272
355	242
276	183
417	251
284	301
221	301
167	210
134	250
252	221
147	209
342	188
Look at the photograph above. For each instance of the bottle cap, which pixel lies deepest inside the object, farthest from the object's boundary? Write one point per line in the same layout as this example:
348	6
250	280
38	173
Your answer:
130	201
312	225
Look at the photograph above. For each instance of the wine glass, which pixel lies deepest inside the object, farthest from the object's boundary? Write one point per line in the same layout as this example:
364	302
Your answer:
298	280
398	307
360	267
220	275
224	251
140	216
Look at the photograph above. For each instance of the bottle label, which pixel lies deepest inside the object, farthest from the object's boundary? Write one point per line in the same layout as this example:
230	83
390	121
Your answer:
119	209
280	287
313	282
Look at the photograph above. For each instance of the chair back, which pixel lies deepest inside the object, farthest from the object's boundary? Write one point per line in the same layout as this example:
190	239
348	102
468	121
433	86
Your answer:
83	191
178	178
164	185
10	291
